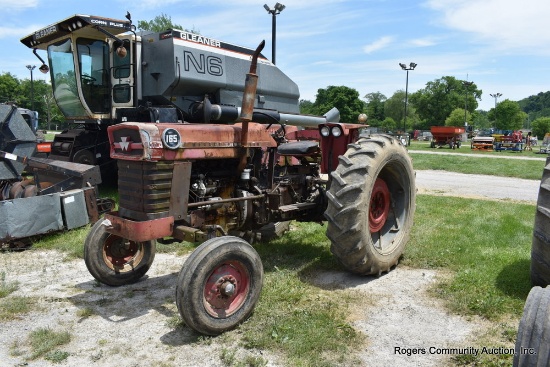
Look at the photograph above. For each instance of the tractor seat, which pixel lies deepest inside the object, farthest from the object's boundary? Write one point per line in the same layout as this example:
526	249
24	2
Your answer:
304	147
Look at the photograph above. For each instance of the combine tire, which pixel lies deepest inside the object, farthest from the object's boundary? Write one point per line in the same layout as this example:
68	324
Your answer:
219	285
84	157
116	261
540	248
533	340
371	202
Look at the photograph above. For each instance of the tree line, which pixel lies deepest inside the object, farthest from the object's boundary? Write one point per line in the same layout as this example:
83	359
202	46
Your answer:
446	101
18	91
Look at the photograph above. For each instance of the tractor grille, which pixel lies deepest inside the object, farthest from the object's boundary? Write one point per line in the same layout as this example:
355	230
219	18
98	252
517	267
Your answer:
144	189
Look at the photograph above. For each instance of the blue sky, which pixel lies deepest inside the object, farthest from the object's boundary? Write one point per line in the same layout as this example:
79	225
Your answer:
501	45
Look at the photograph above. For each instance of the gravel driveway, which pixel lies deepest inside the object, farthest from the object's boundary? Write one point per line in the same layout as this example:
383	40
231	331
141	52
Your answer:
477	186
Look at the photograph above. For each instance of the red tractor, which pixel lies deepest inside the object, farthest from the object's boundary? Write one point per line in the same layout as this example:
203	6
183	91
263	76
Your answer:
203	163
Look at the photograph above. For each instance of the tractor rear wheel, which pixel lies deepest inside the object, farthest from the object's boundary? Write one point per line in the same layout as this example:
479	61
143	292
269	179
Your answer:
371	203
533	340
114	260
219	285
540	247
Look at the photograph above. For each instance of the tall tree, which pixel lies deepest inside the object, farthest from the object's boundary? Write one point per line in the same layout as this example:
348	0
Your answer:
306	107
541	126
507	116
537	105
161	23
10	88
375	108
480	120
344	98
456	118
389	124
394	108
440	97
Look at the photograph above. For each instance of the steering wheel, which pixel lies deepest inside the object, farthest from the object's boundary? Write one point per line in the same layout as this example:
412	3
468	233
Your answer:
87	79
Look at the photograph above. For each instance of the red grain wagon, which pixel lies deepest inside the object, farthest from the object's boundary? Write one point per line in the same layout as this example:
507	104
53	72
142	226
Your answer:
446	135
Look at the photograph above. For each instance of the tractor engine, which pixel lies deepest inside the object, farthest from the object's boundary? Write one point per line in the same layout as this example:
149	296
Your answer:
207	187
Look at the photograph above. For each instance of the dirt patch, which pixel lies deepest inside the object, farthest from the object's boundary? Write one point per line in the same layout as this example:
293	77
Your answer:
404	320
128	325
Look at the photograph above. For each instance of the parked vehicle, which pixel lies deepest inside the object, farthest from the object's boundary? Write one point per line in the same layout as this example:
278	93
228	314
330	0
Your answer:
210	147
450	136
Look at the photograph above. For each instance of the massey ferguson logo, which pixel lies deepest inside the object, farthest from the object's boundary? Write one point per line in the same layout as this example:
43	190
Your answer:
126	144
171	138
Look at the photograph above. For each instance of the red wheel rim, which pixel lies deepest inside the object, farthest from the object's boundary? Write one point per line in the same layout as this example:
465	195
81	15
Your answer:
226	289
119	252
379	205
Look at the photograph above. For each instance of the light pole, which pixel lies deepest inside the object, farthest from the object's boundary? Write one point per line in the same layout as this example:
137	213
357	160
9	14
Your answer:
277	9
466	86
495	96
411	66
31	68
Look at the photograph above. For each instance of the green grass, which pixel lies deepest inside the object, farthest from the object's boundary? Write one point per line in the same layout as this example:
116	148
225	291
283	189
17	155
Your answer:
527	169
49	136
14	307
71	242
44	342
485	244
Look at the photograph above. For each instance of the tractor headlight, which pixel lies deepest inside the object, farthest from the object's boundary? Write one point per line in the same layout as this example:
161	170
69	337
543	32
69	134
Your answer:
336	131
325	131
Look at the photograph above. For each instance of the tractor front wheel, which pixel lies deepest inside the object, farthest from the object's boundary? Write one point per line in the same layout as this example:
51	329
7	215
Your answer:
114	260
371	203
219	285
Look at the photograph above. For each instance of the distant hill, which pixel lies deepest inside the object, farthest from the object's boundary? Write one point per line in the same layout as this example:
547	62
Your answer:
536	106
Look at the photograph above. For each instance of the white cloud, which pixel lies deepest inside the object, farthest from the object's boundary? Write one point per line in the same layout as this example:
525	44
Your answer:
379	44
502	24
423	42
19	5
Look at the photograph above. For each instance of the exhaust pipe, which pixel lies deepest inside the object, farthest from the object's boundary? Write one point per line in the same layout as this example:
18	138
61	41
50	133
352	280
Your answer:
249	96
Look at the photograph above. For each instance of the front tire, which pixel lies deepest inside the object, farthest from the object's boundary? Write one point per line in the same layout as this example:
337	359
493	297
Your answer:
371	203
114	260
219	285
